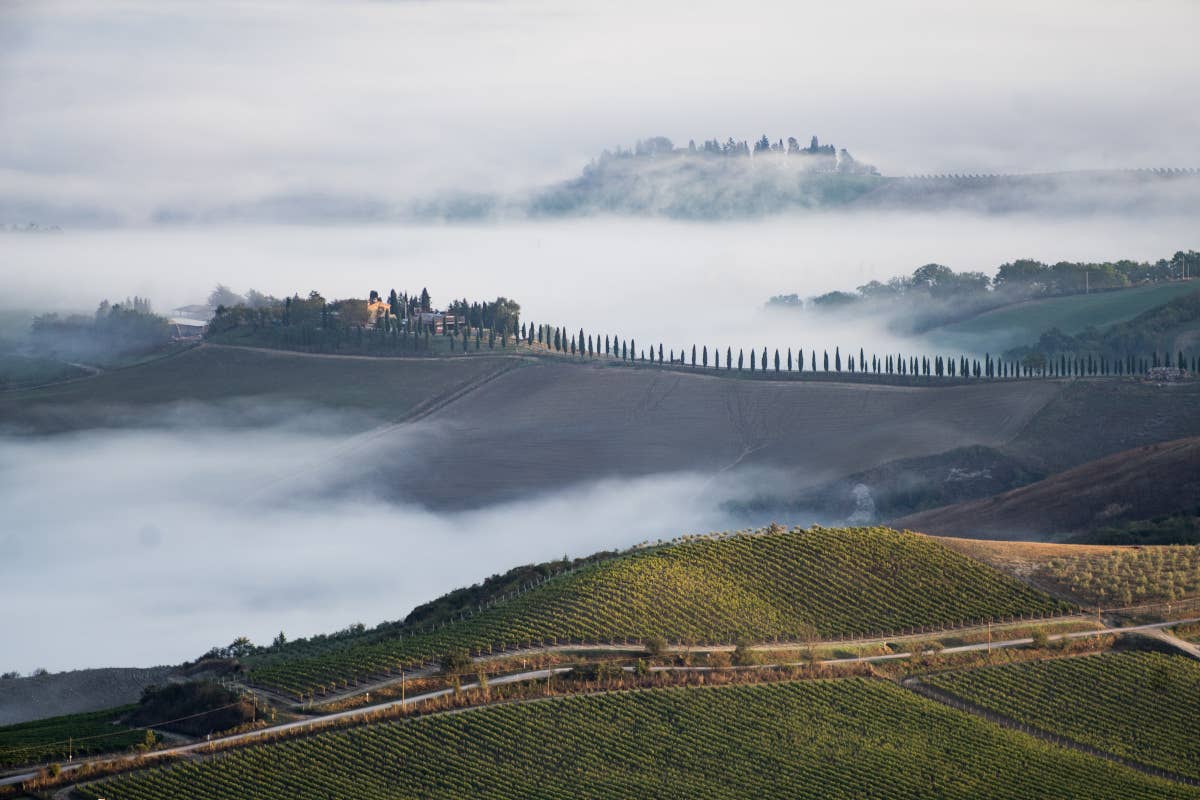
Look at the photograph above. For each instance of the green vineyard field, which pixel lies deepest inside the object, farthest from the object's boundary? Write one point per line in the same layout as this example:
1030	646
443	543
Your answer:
851	738
55	738
1141	706
766	586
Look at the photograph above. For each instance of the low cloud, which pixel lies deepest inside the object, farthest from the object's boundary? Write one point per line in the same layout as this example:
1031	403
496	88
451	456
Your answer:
149	546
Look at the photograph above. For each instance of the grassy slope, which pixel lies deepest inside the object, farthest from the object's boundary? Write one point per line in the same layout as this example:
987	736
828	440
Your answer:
830	739
47	739
764	586
384	388
1092	419
17	371
1022	323
1142	706
1136	484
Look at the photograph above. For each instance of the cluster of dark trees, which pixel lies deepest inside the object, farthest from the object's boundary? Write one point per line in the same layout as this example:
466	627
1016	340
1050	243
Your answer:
661	145
935	294
831	159
193	709
115	329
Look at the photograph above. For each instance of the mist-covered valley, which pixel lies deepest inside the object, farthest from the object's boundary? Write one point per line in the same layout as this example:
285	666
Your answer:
152	546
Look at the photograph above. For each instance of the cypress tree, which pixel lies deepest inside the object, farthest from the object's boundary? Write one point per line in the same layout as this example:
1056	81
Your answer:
728	358
777	359
741	359
837	358
703	355
826	360
800	359
660	359
789	359
694	355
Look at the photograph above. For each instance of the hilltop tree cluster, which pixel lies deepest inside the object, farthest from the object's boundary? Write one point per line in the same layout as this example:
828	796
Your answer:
824	157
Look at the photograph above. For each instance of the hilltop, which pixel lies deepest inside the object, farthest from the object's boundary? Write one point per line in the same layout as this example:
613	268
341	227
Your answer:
790	585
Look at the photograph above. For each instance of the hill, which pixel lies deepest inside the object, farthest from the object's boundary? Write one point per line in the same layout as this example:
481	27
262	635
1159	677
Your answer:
791	585
369	390
1141	706
845	738
1005	328
554	424
1132	485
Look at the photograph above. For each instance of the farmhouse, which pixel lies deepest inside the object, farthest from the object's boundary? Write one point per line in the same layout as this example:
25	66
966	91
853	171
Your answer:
187	327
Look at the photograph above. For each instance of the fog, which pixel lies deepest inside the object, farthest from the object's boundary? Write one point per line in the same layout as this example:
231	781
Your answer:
149	547
135	110
653	280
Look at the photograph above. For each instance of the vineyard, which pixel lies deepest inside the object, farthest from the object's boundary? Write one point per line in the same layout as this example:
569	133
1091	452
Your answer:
1142	706
56	738
1127	576
766	586
848	738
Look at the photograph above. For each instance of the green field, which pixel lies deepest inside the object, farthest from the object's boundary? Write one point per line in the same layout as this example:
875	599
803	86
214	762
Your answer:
1141	706
853	738
54	738
766	586
18	371
1021	324
386	389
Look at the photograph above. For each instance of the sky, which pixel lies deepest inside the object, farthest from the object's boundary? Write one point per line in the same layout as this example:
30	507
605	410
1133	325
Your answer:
125	112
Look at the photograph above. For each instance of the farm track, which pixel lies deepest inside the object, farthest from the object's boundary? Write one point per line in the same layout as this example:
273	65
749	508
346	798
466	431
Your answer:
200	748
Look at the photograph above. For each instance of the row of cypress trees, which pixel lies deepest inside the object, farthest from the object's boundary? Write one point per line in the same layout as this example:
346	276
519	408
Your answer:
584	345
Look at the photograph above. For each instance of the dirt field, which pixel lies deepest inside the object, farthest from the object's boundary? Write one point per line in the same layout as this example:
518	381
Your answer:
549	425
1132	485
375	390
23	699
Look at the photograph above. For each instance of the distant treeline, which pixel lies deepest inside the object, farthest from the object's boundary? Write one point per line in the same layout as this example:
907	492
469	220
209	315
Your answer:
315	324
935	294
115	329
